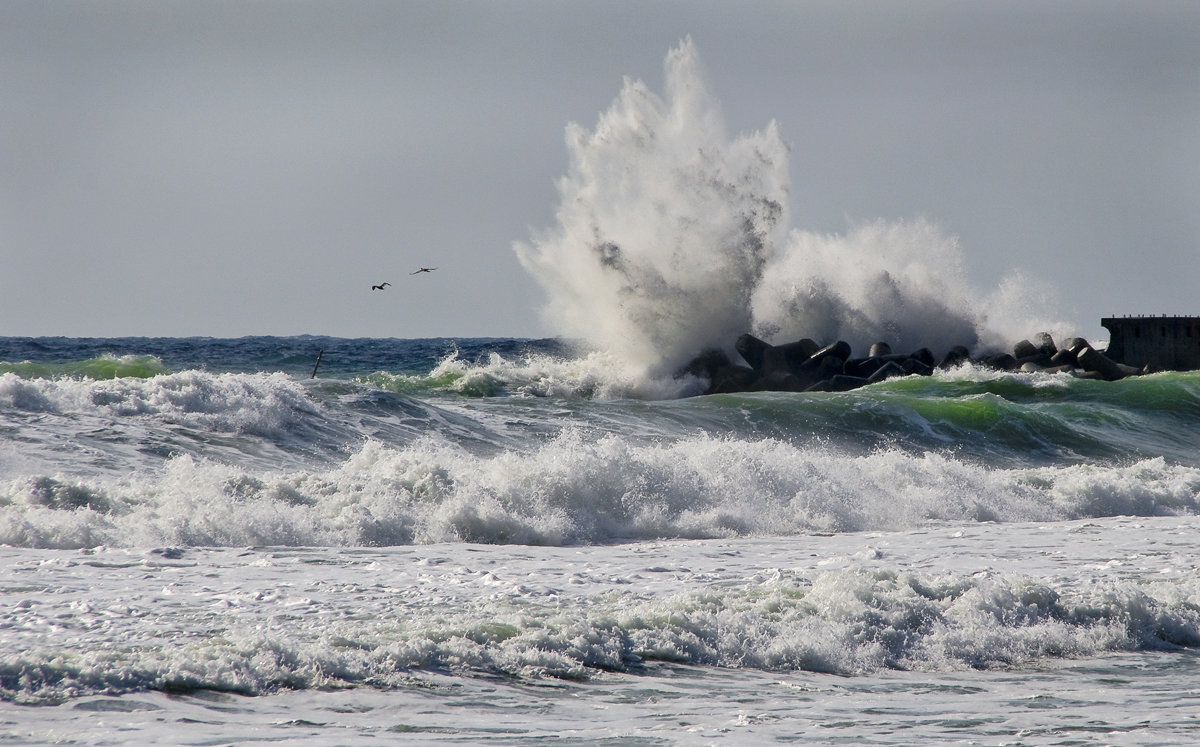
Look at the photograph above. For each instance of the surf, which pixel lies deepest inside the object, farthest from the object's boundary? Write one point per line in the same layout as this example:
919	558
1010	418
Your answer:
576	488
109	366
673	237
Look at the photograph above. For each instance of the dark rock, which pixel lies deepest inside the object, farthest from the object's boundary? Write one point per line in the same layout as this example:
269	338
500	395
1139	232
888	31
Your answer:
752	350
817	369
867	366
707	364
1064	357
801	349
1091	360
801	366
924	355
864	366
839	350
788	357
1075	345
1024	350
916	366
732	378
1035	367
888	370
998	361
957	356
778	381
1045	343
1038	360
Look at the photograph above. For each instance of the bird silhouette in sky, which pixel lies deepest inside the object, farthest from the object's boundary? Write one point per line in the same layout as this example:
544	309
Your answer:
380	287
423	269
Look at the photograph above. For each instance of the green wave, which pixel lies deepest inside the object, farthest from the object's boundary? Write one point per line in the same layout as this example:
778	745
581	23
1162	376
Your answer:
1171	391
477	384
1005	419
103	367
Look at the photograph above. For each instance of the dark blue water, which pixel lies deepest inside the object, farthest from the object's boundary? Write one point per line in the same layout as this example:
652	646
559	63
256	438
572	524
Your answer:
295	356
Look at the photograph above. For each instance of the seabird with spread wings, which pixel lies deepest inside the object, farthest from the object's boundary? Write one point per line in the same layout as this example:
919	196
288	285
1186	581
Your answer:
380	287
423	269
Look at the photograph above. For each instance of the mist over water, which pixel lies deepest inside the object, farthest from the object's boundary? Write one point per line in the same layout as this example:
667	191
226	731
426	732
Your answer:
673	237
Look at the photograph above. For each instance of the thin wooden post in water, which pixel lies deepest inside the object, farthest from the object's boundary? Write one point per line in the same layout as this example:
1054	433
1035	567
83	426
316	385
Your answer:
319	354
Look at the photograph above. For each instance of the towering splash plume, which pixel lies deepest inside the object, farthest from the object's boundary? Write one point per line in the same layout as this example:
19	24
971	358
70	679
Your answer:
672	238
664	226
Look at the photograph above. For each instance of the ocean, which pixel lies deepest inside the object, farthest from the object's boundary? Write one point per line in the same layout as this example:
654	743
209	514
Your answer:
505	541
327	541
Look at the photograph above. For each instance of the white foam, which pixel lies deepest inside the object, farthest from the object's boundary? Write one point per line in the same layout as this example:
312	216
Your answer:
672	238
903	283
260	404
112	621
592	375
574	488
664	224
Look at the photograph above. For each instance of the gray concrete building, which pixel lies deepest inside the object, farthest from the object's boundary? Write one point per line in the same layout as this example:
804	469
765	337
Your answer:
1162	343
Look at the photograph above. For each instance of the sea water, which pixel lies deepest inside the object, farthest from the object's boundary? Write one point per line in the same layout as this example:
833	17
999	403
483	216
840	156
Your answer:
457	540
321	540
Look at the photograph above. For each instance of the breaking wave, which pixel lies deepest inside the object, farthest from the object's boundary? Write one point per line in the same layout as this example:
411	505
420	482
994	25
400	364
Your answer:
673	237
575	489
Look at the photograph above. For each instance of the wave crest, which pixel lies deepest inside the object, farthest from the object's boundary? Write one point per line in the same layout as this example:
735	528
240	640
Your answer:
574	489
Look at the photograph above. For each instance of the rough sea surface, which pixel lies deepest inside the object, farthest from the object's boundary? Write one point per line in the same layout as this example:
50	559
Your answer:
504	541
507	541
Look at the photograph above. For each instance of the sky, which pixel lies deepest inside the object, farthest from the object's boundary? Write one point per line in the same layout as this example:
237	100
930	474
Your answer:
228	168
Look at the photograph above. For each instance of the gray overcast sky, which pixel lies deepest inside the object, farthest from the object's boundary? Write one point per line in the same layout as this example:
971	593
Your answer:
232	168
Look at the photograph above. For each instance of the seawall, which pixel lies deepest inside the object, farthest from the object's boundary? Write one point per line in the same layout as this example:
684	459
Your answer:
1157	343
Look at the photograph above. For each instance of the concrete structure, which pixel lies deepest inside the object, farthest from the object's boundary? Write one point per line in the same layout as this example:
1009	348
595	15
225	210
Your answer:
1162	343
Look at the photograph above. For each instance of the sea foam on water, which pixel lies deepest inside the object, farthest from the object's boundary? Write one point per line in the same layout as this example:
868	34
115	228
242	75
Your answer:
573	489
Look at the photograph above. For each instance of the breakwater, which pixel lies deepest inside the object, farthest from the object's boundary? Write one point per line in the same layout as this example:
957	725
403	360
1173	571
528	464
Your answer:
805	366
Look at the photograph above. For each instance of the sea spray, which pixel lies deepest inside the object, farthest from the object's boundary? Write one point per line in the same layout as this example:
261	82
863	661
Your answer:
1022	302
673	238
664	224
903	283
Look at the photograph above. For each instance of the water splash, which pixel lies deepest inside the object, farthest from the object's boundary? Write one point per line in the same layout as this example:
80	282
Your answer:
672	238
664	225
903	283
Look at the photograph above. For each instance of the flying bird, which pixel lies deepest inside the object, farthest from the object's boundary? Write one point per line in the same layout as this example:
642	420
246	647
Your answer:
423	269
380	287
